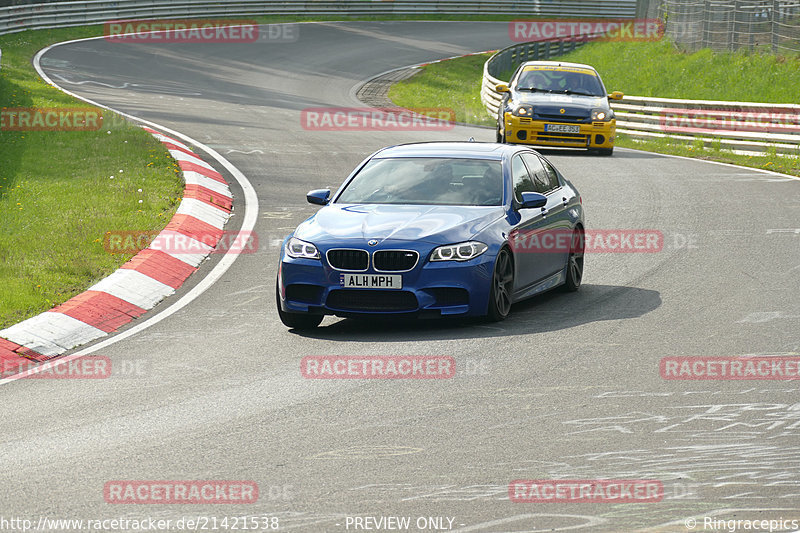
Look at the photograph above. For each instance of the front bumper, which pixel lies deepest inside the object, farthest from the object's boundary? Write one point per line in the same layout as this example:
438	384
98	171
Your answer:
524	130
447	288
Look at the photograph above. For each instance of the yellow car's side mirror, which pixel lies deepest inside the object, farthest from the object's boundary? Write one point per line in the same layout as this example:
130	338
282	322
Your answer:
616	95
501	88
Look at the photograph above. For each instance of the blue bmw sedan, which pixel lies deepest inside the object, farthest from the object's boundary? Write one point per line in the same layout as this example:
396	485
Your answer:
434	229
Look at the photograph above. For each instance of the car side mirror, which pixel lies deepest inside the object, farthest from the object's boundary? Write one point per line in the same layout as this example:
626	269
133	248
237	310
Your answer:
319	196
501	88
531	200
616	95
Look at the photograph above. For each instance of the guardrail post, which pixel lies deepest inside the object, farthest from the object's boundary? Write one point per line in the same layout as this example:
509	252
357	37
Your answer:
733	34
750	37
773	25
642	9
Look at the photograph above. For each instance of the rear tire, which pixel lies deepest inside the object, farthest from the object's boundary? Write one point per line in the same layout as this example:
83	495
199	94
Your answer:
502	287
298	321
575	261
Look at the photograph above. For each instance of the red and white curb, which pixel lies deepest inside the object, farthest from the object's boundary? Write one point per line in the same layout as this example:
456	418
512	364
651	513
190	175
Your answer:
138	285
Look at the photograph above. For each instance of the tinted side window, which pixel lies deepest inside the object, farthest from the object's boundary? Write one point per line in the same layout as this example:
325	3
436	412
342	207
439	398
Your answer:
520	178
552	175
537	172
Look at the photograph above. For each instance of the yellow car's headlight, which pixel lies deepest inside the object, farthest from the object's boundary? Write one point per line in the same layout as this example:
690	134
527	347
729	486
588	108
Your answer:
523	111
602	114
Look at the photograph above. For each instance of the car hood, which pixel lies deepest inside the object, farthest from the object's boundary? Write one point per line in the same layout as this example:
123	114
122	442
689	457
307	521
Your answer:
434	224
551	104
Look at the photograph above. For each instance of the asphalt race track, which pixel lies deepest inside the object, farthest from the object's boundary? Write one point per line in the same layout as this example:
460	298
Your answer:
567	388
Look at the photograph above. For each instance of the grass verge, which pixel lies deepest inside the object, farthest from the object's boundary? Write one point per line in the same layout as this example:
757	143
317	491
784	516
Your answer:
61	191
456	83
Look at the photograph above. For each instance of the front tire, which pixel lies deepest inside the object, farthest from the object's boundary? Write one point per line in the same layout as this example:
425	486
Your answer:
575	261
296	320
502	287
606	152
500	136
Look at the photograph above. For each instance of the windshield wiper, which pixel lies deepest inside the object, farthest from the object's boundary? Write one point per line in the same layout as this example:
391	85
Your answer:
533	89
568	91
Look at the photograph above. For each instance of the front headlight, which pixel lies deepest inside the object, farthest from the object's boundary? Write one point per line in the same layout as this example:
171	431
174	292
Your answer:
523	111
463	251
602	114
301	249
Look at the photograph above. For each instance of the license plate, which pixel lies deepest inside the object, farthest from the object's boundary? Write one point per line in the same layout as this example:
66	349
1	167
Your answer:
562	128
371	281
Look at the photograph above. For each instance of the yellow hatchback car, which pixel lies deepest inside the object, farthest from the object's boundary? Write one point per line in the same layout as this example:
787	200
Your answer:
549	103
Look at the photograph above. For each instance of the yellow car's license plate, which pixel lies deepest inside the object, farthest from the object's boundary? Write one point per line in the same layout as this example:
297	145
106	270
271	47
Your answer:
562	128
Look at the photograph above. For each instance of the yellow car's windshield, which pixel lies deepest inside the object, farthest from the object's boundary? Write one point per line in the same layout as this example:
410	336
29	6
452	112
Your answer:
582	81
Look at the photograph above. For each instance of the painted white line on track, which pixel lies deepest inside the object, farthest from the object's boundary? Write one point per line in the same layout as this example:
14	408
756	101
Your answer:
731	165
248	223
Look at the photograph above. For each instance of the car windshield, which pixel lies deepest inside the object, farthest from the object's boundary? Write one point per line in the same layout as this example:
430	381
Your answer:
560	81
427	181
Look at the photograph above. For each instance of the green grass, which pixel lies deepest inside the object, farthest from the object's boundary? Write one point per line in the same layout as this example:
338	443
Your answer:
703	75
768	161
57	197
453	84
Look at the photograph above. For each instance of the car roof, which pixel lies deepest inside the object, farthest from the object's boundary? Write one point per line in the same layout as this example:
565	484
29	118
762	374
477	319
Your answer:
454	149
557	64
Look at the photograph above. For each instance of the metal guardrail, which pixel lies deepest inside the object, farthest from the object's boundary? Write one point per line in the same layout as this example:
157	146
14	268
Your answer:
78	13
739	126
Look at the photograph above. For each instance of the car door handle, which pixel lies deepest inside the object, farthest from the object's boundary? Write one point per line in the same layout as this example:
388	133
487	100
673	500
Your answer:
566	202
